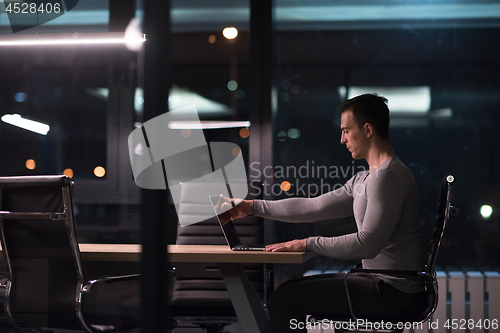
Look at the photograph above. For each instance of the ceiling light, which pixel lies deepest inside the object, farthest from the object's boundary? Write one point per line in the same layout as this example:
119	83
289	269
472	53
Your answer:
230	32
30	125
207	124
71	39
133	35
410	100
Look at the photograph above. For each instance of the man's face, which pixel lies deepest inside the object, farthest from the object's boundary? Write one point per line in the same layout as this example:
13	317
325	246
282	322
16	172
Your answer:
352	136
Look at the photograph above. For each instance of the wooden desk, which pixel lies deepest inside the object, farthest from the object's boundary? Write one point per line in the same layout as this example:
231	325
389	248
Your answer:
192	253
251	314
249	310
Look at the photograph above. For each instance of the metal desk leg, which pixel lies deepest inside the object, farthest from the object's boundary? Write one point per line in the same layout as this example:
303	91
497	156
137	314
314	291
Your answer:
250	312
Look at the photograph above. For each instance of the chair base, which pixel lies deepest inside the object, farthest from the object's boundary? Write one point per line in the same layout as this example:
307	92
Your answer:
213	328
209	324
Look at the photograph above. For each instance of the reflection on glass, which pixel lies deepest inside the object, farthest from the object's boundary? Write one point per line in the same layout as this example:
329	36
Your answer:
442	93
62	95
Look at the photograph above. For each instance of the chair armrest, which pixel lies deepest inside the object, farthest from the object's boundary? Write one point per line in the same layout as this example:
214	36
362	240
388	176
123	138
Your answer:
87	288
386	272
32	216
4	281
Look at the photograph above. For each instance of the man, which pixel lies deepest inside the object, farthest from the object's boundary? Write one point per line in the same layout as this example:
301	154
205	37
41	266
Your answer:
384	202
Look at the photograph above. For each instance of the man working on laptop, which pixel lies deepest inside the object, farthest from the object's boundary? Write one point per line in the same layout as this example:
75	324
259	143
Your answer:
384	202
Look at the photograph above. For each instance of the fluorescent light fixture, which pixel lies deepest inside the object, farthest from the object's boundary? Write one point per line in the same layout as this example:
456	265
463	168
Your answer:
445	113
181	97
71	39
329	15
410	100
207	124
30	125
387	12
134	36
100	93
93	17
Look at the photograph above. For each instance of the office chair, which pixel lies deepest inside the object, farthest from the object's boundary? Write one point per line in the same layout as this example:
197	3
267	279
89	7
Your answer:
444	210
204	301
43	288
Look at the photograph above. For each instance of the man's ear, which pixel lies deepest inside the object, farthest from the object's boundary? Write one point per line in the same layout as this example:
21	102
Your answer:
368	128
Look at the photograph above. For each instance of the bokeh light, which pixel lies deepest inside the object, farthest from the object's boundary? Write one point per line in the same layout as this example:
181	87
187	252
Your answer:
285	186
186	133
244	132
99	171
230	32
486	211
30	164
232	85
293	133
236	151
282	135
68	172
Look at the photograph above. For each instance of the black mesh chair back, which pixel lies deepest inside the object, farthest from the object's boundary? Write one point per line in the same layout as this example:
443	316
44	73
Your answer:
444	210
43	266
208	296
43	285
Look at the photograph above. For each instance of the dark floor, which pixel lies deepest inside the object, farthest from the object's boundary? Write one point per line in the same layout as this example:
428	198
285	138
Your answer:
183	328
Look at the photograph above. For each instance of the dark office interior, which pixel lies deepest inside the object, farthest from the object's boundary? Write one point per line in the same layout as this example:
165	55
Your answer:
286	72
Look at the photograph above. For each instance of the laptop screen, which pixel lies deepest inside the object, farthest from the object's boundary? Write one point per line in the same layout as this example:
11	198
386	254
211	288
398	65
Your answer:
228	229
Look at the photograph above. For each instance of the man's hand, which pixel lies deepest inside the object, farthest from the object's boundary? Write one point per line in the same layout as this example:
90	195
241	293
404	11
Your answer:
232	212
296	245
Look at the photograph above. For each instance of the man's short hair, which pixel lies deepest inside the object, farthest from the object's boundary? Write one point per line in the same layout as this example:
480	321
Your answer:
369	108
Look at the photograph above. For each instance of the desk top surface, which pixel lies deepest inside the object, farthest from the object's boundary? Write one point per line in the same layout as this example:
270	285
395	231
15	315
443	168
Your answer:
191	253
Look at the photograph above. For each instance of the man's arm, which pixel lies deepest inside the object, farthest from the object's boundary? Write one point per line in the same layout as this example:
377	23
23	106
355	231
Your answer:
385	199
334	204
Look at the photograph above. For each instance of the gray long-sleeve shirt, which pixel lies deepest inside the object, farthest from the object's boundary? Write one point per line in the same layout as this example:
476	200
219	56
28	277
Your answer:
384	203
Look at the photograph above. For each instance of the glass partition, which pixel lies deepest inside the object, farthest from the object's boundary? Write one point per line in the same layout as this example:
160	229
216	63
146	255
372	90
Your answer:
210	59
65	90
68	109
437	63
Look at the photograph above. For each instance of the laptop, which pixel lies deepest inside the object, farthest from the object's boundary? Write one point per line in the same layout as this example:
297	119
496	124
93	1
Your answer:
229	231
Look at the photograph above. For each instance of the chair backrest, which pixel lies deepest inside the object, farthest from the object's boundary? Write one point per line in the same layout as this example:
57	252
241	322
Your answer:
44	270
209	296
208	231
442	216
